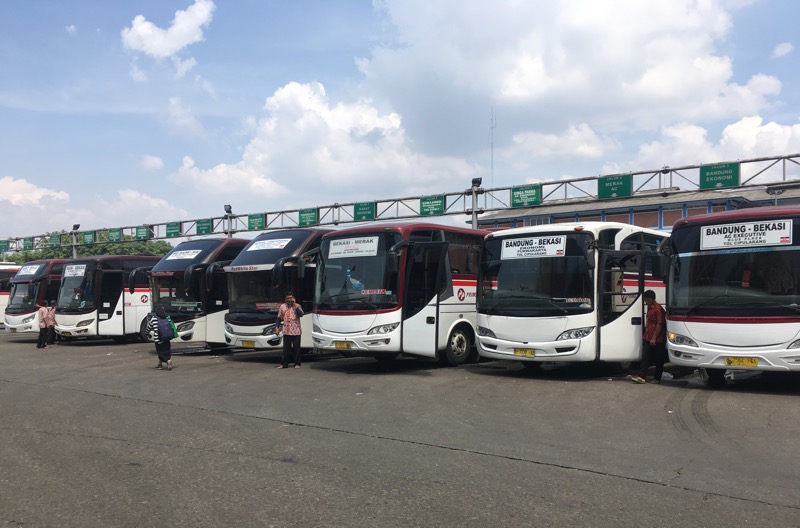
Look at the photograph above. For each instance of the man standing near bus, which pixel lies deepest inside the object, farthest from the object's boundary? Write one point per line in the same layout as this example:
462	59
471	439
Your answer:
289	314
43	314
654	340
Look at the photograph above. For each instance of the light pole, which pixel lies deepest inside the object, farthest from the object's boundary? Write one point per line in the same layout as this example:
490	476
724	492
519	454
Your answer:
229	218
74	233
476	190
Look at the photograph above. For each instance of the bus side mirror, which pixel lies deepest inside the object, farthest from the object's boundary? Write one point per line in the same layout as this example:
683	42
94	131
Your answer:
590	258
660	265
210	273
187	276
132	277
308	256
277	270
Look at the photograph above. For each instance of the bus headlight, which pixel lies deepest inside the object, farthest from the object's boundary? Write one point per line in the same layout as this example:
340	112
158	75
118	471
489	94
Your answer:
85	323
678	339
29	319
316	329
796	344
383	329
228	328
183	327
575	333
269	330
485	332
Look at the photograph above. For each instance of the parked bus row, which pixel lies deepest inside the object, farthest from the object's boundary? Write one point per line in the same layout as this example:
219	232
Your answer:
554	293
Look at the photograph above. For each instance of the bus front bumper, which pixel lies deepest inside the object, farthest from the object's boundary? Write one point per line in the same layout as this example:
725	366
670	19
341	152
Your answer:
568	350
753	359
358	344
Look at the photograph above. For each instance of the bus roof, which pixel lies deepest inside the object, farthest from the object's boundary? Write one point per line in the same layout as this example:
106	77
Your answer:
35	269
286	243
405	228
592	227
200	251
755	213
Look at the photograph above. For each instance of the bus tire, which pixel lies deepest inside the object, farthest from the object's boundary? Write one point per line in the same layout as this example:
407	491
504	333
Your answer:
716	376
143	336
459	348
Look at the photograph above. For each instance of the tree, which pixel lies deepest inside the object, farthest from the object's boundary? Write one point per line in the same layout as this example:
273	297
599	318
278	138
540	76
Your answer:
129	246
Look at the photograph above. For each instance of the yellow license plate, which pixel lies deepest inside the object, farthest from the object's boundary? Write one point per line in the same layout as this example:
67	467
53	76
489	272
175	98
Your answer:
524	352
741	361
66	334
343	344
249	344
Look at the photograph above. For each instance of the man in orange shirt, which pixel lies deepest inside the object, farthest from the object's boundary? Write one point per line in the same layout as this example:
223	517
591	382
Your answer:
654	340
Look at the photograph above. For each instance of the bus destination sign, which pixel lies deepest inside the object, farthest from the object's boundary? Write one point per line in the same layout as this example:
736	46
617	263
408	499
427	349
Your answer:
533	247
747	234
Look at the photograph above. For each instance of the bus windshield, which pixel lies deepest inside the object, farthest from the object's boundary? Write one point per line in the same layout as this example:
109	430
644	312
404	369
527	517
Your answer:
252	291
736	282
354	273
77	288
23	297
539	275
168	290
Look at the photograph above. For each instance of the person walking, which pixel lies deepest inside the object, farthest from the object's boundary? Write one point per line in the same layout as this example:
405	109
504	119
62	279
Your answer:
51	323
289	315
42	314
161	330
654	340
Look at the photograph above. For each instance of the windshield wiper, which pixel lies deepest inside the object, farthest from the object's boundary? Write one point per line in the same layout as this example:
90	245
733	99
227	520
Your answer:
704	303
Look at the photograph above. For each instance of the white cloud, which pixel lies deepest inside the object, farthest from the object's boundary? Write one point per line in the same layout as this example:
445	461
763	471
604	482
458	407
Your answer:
309	150
137	74
182	67
71	29
152	162
782	49
547	66
186	29
24	193
182	120
577	141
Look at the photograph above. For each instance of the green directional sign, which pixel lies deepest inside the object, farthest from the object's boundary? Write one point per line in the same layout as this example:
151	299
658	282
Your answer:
173	229
27	243
307	217
719	176
205	227
615	186
3	245
256	222
431	205
55	240
364	211
526	195
88	237
142	232
115	235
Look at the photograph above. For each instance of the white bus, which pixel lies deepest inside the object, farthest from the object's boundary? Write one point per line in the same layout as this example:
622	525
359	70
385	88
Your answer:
258	280
36	281
404	288
734	291
7	271
93	299
190	284
568	292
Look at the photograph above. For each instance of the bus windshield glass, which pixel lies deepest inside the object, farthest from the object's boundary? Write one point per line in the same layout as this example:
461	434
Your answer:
252	291
539	275
23	296
77	288
355	274
751	279
167	290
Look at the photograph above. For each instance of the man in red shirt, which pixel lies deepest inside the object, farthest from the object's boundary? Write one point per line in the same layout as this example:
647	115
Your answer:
654	340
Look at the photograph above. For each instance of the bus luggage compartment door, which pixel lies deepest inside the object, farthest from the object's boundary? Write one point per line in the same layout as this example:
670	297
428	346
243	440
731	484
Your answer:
424	281
620	287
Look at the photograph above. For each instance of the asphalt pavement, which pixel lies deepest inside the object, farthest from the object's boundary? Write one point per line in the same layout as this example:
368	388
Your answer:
93	436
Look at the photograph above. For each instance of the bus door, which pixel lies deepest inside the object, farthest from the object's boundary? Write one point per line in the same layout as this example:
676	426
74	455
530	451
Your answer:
620	287
424	281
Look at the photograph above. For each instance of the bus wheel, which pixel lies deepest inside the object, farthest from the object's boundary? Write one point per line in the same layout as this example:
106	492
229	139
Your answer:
143	336
385	359
459	348
716	376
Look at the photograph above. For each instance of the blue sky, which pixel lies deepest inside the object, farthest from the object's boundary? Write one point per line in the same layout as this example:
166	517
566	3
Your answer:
120	113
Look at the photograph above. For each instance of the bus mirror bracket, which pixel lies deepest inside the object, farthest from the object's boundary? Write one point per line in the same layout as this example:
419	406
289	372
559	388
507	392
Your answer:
308	256
133	275
210	273
277	270
187	276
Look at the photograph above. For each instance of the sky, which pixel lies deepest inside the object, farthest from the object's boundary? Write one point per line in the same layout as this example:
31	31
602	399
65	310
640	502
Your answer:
117	114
